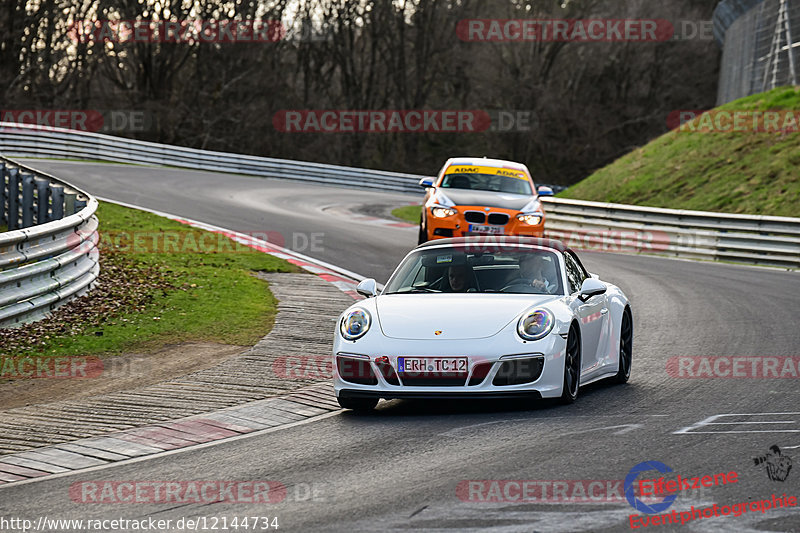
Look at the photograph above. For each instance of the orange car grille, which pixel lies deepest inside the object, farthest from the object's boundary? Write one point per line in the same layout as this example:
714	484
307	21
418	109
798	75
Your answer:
495	219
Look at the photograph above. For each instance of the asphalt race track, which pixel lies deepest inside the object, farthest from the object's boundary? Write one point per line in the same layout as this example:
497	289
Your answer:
399	468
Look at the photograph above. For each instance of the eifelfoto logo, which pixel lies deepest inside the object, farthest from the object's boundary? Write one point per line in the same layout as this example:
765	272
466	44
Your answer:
775	463
630	483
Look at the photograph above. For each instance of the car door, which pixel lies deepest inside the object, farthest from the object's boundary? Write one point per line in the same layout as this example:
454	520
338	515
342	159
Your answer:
593	315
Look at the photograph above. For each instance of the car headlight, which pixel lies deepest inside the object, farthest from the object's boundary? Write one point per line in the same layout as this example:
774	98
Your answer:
531	220
355	324
535	325
442	212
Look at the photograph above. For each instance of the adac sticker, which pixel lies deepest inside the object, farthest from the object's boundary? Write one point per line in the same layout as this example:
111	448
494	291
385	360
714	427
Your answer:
492	171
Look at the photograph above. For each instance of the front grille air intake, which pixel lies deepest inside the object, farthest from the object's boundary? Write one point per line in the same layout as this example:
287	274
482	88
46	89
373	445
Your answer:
358	371
519	371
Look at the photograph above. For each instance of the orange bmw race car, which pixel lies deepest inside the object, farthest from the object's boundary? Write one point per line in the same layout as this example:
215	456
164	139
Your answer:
479	196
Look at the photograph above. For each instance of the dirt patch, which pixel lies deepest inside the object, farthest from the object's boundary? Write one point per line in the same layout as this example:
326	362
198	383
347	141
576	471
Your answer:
120	373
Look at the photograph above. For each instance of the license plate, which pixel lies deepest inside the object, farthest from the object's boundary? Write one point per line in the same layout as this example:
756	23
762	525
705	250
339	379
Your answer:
491	230
424	365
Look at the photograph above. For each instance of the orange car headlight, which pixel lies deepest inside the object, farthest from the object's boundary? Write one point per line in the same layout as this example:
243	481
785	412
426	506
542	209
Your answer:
442	212
531	220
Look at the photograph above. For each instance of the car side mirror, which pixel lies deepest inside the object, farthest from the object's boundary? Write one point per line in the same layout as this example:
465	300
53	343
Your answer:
591	287
544	190
426	183
367	288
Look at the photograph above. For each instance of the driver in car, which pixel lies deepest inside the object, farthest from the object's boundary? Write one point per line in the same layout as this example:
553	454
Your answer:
458	276
536	272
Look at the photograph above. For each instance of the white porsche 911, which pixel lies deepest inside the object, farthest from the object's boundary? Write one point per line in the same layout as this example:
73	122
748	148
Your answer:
482	317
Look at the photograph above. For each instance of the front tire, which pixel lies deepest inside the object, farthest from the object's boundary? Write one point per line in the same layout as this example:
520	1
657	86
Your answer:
572	366
358	404
625	348
423	233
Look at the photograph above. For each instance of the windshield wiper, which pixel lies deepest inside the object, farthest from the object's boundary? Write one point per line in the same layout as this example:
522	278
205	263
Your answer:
413	290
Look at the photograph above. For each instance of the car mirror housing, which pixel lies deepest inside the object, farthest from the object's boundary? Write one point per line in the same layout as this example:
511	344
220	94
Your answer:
367	288
426	183
591	287
544	190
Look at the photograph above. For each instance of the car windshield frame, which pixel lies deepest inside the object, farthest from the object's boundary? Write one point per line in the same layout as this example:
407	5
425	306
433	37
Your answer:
480	181
487	270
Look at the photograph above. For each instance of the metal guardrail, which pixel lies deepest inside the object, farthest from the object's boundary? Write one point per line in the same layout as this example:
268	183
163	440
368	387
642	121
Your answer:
49	255
26	140
751	239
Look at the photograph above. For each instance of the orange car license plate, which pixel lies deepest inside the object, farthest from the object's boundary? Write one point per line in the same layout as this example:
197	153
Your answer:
490	230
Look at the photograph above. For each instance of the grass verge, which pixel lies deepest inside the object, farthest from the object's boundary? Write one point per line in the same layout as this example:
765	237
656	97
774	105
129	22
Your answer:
409	213
734	172
202	288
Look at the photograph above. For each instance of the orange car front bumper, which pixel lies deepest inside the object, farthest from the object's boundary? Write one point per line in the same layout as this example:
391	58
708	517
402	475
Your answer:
476	220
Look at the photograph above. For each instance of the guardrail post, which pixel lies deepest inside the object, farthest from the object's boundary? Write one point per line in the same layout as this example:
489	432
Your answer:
57	196
69	202
80	203
3	188
42	200
27	201
13	198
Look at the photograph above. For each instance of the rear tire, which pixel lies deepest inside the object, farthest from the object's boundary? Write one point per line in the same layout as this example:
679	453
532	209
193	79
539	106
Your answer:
358	404
572	366
625	347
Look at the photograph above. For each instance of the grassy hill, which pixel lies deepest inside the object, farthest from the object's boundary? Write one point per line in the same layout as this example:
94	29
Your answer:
753	172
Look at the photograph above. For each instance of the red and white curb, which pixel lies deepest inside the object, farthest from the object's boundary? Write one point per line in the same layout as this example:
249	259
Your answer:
341	278
260	416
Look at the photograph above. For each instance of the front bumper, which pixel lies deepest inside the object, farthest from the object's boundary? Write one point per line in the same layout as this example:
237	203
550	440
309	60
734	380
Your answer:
488	376
449	395
458	226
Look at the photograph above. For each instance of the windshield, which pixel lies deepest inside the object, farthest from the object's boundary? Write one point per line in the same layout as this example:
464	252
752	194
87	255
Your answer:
487	179
454	270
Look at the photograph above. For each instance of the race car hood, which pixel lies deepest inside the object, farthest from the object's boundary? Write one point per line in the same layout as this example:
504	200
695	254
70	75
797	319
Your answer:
487	198
455	316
